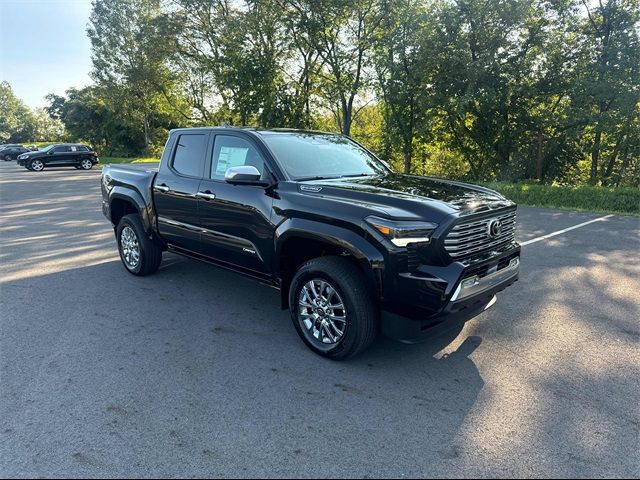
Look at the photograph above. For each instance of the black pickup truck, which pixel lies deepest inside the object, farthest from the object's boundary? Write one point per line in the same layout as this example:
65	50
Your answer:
353	247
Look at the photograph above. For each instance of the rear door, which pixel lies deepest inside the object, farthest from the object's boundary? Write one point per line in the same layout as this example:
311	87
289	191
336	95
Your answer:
176	186
235	219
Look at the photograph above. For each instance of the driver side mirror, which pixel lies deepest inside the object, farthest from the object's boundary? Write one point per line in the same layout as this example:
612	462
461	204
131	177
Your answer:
244	175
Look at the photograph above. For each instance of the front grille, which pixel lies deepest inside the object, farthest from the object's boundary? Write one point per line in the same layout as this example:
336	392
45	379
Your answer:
471	237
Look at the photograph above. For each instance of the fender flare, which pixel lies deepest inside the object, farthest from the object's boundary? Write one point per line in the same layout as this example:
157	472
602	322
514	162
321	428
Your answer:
366	254
134	198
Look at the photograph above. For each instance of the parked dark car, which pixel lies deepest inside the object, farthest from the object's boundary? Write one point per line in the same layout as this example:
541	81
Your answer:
323	220
11	152
60	155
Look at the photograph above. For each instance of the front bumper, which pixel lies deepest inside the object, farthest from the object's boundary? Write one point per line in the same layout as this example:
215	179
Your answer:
447	297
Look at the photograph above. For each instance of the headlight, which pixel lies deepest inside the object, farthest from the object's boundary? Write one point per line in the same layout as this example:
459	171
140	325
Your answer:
22	157
401	233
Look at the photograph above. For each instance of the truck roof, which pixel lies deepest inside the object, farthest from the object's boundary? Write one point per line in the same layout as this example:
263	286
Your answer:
255	129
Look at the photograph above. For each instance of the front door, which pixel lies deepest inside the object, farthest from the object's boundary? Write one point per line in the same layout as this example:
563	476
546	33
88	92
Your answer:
59	156
235	219
175	189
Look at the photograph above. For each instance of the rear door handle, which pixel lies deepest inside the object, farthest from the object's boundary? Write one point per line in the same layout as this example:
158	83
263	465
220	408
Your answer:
206	195
162	188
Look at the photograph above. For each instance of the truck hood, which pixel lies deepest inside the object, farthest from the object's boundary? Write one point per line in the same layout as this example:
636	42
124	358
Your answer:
403	196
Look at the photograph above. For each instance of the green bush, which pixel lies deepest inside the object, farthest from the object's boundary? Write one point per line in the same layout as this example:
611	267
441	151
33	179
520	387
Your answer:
604	199
106	160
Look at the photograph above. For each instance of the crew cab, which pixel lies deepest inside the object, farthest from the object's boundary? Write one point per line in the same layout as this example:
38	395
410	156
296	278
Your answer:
60	155
353	247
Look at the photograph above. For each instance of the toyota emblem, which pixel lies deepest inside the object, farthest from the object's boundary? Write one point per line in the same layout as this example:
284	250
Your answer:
495	228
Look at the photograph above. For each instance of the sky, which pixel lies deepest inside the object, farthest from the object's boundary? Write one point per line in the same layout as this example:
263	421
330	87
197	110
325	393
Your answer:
44	47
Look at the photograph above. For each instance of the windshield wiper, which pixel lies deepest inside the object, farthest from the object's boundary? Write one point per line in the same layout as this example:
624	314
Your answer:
317	177
358	175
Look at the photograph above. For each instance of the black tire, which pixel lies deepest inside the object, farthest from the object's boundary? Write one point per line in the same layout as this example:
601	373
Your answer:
362	314
30	165
150	253
86	164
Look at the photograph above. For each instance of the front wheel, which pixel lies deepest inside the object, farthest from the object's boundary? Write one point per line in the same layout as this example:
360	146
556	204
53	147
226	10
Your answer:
86	164
36	165
331	308
139	254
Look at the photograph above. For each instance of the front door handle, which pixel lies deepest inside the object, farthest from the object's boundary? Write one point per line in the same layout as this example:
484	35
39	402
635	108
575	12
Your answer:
206	195
162	188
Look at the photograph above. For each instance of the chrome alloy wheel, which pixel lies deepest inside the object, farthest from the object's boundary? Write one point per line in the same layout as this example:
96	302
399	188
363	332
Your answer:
321	312
86	164
37	165
130	247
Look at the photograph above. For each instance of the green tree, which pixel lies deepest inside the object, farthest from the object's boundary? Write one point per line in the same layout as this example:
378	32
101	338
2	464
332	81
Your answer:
131	43
344	33
16	120
46	128
609	85
400	64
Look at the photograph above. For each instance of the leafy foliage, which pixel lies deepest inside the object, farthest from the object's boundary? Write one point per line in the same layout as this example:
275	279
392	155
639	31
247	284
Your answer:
508	90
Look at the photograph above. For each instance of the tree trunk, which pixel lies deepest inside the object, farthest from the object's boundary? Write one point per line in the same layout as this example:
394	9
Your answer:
539	158
606	175
146	127
346	118
595	157
625	164
407	162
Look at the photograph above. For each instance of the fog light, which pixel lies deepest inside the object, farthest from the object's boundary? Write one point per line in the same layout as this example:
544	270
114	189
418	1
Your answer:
514	262
470	282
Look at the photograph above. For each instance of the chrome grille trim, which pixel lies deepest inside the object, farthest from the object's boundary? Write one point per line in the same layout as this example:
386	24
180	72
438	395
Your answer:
468	238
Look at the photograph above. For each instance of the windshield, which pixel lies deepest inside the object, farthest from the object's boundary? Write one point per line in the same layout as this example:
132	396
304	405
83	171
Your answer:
309	156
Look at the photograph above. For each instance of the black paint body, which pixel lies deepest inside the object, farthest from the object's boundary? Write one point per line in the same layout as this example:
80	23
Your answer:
55	158
249	228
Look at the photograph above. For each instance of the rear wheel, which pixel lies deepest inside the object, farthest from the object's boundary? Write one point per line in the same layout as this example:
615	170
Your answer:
139	254
36	165
331	308
86	164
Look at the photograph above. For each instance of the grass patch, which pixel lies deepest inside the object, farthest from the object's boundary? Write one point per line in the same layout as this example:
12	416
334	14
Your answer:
105	160
594	199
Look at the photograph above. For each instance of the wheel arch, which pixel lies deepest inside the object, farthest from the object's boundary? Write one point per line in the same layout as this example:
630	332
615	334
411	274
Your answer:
124	202
300	240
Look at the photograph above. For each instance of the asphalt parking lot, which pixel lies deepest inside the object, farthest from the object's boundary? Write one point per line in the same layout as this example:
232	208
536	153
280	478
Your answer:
197	372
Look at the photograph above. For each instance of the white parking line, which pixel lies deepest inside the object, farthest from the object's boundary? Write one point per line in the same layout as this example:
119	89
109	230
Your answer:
560	232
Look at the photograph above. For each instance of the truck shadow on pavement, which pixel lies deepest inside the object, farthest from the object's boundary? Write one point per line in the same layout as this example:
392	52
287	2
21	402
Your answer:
196	362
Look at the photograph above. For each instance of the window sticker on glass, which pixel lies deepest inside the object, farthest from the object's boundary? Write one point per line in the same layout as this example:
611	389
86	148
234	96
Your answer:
230	157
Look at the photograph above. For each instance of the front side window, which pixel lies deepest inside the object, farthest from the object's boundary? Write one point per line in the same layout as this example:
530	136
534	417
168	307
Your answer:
189	154
308	156
230	151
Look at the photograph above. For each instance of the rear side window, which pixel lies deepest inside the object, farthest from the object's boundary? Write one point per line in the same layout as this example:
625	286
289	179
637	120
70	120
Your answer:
189	155
82	148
